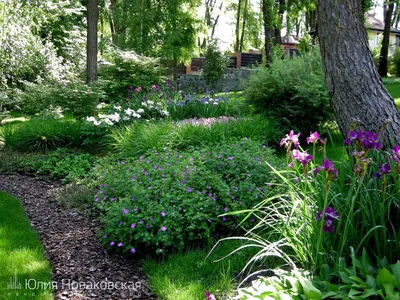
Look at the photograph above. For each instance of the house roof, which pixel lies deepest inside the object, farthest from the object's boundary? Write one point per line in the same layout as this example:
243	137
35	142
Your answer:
373	23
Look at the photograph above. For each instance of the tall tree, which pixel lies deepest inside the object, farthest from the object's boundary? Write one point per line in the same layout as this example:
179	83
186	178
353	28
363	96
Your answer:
269	29
352	78
92	45
213	9
383	56
245	16
237	31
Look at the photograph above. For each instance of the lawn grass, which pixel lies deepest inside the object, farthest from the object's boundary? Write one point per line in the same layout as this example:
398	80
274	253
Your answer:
21	254
394	90
187	276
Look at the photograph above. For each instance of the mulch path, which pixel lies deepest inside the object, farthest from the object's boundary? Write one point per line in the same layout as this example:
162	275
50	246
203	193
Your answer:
72	247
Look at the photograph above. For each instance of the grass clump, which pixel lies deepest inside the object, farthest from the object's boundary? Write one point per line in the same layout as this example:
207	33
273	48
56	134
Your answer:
21	254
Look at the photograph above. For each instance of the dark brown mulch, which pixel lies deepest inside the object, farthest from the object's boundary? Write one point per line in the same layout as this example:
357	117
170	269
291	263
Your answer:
71	245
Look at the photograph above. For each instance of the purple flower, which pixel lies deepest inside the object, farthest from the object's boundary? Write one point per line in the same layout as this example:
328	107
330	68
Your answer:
327	165
163	228
97	199
105	236
126	211
189	189
119	244
224	219
112	243
133	250
141	222
303	157
209	296
231	157
290	139
163	214
313	138
133	225
226	209
396	152
329	216
180	208
383	170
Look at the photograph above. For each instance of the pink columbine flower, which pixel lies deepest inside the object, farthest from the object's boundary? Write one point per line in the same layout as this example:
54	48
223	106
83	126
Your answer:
163	228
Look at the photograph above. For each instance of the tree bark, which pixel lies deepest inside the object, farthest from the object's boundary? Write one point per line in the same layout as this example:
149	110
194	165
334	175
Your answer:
383	56
238	26
352	78
269	30
281	12
243	25
92	22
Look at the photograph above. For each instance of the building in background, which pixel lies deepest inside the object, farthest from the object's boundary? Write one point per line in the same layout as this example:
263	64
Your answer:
375	29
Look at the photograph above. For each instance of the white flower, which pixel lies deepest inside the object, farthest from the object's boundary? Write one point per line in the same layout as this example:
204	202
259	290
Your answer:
125	118
108	122
144	104
101	116
164	113
135	115
115	117
129	111
150	102
140	111
117	108
101	105
96	123
90	119
215	103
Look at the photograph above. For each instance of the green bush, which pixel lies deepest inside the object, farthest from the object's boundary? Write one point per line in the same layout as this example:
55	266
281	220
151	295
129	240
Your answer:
126	69
138	138
42	135
394	63
61	164
292	91
215	64
73	97
174	200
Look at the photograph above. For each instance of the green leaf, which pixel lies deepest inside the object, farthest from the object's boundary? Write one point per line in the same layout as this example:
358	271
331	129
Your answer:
366	263
396	273
310	291
369	292
383	263
325	273
371	281
385	277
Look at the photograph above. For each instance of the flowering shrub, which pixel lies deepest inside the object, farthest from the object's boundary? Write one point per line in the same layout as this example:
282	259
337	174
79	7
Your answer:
173	200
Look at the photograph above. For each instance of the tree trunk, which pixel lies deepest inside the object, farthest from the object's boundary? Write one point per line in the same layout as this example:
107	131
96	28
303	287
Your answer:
243	25
383	56
269	30
238	26
352	78
281	12
92	22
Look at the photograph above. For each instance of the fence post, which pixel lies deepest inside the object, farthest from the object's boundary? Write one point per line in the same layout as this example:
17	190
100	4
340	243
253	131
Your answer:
238	60
188	68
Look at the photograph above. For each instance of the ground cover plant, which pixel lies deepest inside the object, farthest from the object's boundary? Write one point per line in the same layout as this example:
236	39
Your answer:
21	254
172	200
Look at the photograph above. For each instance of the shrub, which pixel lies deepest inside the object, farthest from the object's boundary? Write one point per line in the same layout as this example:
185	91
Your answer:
74	97
136	139
174	200
42	135
215	65
292	91
394	63
125	69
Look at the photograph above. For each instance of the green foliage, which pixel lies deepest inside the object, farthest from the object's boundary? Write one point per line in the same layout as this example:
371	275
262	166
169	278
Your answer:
42	135
126	69
362	280
61	164
337	212
73	97
394	63
138	138
292	91
174	200
215	64
21	253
